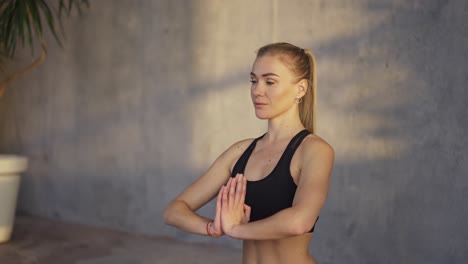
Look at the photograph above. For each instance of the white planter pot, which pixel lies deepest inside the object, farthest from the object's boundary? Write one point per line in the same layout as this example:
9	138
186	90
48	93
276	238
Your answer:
10	168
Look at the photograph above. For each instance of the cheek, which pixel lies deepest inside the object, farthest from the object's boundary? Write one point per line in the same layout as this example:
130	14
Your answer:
281	93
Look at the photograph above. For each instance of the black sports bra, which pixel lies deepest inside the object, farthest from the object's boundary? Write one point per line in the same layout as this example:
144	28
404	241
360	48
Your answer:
276	191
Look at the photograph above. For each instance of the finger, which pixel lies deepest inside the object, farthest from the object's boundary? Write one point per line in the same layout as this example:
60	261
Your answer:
217	221
247	211
218	204
239	186
232	191
246	217
228	184
224	201
243	190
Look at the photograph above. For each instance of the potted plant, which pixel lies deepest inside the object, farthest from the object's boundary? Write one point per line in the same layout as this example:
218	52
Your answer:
25	22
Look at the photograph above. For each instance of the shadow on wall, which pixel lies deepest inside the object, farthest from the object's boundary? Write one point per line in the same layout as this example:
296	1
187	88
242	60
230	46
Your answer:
126	131
393	109
101	134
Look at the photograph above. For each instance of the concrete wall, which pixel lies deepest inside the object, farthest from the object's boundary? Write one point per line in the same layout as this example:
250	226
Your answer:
147	94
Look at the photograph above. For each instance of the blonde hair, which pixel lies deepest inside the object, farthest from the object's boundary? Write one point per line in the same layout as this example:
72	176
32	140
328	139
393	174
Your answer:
301	63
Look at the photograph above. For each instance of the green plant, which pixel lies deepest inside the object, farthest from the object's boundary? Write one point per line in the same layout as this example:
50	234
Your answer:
24	21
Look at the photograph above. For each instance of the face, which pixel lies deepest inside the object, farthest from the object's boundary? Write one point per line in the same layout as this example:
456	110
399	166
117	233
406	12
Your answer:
274	90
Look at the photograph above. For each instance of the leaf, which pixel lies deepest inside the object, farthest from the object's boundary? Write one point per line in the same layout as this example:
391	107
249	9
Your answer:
30	34
6	27
10	32
50	20
70	4
67	6
22	21
35	16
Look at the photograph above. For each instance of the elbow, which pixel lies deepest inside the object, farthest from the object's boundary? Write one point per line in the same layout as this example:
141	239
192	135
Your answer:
300	227
168	214
173	212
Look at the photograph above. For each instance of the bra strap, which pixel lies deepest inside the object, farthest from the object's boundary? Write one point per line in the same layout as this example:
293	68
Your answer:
294	144
239	167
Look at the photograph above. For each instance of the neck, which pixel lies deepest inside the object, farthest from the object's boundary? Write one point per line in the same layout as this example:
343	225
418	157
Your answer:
284	126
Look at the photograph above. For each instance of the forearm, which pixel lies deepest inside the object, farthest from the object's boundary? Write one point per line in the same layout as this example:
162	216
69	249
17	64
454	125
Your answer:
286	223
179	215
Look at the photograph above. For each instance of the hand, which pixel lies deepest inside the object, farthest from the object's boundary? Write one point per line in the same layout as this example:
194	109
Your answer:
233	210
216	226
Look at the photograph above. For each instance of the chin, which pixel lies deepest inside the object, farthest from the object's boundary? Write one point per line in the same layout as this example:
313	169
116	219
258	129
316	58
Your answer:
262	116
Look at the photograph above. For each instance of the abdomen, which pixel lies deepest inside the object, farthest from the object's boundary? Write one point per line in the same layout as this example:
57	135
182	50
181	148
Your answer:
281	251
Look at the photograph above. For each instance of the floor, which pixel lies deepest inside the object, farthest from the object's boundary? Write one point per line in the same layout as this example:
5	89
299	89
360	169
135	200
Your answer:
40	241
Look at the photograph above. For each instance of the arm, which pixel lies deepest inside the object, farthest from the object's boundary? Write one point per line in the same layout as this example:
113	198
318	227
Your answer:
180	212
311	193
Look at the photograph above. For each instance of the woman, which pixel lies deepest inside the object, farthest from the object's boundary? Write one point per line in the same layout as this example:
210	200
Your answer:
269	189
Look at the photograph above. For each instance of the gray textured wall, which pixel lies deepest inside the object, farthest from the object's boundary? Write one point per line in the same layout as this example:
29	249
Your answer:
147	94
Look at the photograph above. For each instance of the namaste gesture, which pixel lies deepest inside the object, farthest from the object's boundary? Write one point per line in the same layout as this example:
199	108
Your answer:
230	207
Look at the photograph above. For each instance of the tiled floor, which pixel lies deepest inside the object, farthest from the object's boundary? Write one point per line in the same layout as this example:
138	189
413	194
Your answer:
40	241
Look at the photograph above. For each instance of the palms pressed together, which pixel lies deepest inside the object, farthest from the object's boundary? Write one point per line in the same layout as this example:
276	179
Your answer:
230	207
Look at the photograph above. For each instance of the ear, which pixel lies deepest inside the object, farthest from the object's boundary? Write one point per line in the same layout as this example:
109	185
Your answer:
301	88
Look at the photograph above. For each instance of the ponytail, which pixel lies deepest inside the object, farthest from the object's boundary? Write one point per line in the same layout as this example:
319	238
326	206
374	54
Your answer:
308	106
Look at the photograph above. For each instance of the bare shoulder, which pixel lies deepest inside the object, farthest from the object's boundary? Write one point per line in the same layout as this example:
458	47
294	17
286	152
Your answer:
241	145
236	149
315	146
232	153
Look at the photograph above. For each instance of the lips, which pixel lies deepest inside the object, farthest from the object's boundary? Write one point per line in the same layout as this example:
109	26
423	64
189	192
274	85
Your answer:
258	105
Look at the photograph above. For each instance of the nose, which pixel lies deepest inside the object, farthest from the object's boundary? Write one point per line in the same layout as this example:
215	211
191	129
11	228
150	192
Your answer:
257	89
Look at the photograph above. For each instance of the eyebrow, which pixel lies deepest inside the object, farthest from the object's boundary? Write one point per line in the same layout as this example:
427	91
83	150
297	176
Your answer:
265	74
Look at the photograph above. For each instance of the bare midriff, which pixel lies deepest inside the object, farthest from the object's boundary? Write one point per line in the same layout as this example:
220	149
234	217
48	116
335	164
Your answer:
282	251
